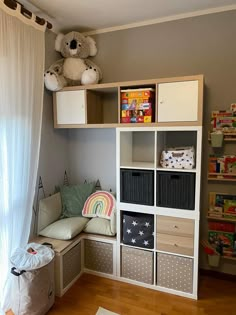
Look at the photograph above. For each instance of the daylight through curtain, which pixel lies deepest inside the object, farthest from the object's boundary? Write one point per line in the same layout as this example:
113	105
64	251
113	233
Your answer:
21	103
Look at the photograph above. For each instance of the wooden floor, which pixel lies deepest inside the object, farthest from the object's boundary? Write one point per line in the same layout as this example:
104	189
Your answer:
216	297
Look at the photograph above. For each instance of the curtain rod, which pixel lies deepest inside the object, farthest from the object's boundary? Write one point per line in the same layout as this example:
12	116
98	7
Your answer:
12	4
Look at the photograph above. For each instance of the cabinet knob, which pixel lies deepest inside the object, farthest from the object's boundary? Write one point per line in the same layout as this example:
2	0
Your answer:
175	245
175	226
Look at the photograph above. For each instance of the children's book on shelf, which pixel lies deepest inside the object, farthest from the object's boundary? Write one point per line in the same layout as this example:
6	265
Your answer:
224	119
225	165
222	205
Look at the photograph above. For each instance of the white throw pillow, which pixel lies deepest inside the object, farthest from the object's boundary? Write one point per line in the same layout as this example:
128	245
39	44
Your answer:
99	226
49	210
65	229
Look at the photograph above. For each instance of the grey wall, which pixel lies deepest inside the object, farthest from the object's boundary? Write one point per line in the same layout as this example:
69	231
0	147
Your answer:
93	156
53	159
54	142
200	45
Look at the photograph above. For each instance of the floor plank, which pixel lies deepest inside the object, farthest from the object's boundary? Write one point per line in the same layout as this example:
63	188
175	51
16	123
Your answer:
216	297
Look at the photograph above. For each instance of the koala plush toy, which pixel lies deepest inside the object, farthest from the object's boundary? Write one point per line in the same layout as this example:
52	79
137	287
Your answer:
75	68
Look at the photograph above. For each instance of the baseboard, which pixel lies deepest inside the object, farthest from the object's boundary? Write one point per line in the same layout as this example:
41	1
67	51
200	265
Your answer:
217	274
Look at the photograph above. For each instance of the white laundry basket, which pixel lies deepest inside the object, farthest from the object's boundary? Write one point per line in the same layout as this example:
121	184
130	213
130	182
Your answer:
33	282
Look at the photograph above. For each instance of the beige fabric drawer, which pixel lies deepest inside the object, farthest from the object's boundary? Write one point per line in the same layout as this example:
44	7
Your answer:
175	244
175	272
175	226
98	256
137	264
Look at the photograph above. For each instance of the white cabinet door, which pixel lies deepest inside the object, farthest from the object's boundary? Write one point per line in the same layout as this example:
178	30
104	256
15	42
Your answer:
70	107
178	101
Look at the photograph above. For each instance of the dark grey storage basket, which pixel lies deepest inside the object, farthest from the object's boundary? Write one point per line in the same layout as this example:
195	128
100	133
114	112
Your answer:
137	186
176	190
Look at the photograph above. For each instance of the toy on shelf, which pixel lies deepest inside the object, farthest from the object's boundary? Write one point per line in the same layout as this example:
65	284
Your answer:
137	105
212	254
75	67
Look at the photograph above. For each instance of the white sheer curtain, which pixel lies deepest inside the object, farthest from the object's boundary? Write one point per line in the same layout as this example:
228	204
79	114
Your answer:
21	102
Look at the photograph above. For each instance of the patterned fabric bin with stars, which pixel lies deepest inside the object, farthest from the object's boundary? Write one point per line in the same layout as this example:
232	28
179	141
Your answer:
138	229
182	157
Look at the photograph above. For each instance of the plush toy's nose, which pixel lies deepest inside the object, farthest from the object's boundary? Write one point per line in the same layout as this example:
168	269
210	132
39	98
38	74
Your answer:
73	44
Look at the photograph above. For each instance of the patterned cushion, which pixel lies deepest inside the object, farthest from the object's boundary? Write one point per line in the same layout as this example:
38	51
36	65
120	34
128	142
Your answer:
100	204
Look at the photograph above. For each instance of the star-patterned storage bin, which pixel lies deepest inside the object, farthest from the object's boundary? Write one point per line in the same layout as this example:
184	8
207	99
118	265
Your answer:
137	264
175	272
98	256
138	229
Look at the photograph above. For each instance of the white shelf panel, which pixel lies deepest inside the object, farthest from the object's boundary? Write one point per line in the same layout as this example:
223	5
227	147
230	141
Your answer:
176	170
180	213
137	247
136	208
139	165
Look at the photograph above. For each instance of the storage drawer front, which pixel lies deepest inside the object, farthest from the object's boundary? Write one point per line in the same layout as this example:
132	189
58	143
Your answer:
137	264
175	226
137	186
71	264
70	107
176	190
175	244
98	256
175	272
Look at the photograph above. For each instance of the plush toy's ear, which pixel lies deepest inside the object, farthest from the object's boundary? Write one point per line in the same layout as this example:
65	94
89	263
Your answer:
92	46
58	41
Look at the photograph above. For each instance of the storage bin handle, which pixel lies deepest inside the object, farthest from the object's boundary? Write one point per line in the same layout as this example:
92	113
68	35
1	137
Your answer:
15	273
174	176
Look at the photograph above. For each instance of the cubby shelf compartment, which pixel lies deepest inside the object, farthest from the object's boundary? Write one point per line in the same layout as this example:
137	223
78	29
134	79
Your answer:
137	149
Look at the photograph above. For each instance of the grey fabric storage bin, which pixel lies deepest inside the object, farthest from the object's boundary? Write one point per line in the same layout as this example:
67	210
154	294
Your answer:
71	264
175	272
98	256
137	264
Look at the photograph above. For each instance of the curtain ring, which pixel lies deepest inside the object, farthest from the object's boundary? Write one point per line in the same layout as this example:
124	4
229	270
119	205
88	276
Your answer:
33	17
18	8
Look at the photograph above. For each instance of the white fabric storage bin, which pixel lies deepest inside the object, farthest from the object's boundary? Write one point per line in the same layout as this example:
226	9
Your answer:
178	158
33	280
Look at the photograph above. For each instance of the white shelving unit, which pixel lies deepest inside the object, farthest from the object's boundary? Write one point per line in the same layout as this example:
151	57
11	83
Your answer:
176	231
176	121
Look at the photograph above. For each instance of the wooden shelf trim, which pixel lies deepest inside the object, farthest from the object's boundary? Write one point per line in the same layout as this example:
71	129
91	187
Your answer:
221	219
229	257
222	176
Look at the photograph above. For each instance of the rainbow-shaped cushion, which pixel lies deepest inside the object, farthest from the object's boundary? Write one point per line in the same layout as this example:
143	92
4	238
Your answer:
100	204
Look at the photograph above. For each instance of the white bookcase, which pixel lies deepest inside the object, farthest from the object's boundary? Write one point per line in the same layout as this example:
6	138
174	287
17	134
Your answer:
176	230
171	265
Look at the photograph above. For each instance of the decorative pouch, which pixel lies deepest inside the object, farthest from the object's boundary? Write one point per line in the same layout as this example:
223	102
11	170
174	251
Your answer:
178	158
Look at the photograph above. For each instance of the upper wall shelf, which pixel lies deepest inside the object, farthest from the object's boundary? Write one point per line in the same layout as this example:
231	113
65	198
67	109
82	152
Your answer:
176	102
